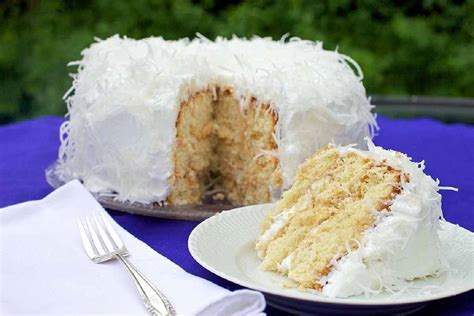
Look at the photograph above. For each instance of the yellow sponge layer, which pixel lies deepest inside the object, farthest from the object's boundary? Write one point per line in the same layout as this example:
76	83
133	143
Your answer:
193	153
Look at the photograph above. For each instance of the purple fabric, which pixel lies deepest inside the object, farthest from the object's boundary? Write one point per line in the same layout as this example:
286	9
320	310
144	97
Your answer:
28	147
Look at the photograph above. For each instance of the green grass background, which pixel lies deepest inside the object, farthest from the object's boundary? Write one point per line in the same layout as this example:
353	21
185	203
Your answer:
421	47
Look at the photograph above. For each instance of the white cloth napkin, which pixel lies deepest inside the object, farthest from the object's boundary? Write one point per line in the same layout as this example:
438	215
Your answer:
43	268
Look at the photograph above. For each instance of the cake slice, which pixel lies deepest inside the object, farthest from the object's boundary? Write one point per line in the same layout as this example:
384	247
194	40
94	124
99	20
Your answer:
354	222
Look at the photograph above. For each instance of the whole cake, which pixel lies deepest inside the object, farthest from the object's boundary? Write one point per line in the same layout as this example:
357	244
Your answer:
167	121
355	222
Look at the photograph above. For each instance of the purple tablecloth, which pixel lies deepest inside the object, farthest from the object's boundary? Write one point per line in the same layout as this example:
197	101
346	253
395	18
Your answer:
28	147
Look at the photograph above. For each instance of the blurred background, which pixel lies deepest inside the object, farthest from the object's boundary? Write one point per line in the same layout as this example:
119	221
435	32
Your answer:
417	56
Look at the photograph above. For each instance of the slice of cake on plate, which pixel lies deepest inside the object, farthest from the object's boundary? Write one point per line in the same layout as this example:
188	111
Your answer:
355	222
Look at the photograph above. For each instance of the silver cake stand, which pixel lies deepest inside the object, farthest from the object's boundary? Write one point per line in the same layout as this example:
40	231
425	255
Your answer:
209	207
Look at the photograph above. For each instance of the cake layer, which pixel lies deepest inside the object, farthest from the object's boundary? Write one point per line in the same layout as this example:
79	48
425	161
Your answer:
246	150
193	152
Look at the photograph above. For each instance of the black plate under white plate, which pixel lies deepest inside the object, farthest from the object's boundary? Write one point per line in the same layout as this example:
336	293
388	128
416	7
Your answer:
224	245
208	208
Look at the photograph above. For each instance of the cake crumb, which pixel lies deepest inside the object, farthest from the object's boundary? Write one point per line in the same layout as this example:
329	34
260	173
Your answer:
218	196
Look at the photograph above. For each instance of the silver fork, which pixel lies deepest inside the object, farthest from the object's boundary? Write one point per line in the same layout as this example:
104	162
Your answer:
101	243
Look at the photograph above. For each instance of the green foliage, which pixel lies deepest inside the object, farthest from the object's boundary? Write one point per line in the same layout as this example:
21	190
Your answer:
404	47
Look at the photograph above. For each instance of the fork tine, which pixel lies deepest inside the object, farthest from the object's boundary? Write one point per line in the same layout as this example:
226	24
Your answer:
95	239
115	238
86	241
103	236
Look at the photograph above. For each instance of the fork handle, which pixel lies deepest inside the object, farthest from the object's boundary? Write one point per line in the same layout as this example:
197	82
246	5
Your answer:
155	301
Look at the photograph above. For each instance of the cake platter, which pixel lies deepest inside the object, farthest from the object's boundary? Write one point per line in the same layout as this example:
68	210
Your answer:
224	245
208	208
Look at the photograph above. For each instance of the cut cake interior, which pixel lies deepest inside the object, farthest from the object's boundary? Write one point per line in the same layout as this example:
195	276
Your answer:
222	144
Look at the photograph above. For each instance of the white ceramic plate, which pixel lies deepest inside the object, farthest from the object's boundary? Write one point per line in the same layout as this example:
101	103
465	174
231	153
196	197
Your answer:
224	245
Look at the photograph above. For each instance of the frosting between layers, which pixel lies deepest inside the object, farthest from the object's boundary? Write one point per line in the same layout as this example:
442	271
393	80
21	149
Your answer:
126	95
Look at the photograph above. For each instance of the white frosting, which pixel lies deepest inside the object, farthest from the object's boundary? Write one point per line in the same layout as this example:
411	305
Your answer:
284	266
403	244
126	95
